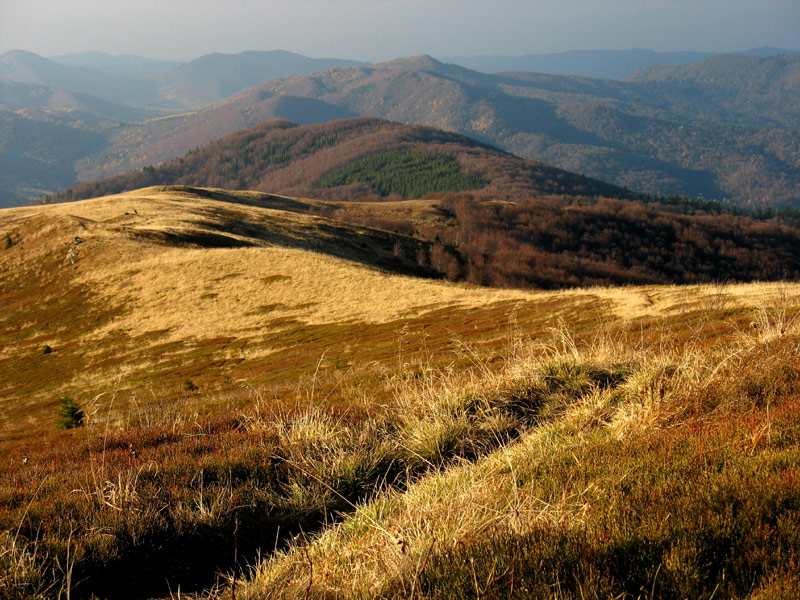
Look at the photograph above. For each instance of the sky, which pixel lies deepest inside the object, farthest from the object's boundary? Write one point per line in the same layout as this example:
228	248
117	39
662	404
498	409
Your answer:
374	30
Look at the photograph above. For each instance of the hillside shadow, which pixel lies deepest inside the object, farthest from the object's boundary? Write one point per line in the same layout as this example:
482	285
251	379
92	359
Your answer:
222	228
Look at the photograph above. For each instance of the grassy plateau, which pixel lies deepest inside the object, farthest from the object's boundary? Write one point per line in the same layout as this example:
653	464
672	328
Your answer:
217	395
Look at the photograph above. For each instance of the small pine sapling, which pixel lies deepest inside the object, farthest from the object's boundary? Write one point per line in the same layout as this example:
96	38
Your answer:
70	414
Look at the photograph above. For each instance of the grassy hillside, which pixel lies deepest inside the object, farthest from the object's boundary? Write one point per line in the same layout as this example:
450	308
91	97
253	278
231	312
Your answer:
662	472
251	382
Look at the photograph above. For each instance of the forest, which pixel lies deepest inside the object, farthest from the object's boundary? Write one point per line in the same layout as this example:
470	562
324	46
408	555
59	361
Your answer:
405	173
555	242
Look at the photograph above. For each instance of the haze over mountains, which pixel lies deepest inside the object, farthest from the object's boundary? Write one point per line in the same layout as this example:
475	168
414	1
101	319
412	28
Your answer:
605	64
138	81
725	128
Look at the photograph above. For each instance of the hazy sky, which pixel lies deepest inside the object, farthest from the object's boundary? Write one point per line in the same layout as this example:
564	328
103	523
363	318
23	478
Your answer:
375	30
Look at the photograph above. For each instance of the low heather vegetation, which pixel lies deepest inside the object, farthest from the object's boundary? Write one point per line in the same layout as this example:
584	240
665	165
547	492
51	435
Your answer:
652	460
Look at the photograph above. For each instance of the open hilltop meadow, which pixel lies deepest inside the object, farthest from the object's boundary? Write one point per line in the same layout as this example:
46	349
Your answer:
217	394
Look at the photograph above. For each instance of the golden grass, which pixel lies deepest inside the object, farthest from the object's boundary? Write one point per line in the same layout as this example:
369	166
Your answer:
282	323
167	311
382	548
264	283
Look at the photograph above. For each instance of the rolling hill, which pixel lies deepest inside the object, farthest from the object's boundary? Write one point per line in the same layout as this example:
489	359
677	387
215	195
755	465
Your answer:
97	258
494	219
656	134
286	158
248	406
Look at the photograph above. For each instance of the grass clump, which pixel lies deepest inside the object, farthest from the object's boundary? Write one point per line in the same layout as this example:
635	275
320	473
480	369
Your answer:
21	573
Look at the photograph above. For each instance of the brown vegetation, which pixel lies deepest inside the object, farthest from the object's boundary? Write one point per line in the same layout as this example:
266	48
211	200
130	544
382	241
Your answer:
280	157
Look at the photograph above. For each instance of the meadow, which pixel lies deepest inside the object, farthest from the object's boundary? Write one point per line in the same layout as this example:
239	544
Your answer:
268	415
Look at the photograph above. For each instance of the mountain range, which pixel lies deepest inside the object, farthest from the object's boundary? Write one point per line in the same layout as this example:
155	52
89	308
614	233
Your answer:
690	131
725	128
603	64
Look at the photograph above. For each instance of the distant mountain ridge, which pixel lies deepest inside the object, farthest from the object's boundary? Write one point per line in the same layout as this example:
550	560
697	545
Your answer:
699	136
604	64
724	129
214	77
128	65
26	67
149	83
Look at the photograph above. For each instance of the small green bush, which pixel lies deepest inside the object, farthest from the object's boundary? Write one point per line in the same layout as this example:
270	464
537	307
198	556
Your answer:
189	386
70	414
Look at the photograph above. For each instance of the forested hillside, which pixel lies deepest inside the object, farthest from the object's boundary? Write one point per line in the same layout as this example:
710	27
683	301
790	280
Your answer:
339	160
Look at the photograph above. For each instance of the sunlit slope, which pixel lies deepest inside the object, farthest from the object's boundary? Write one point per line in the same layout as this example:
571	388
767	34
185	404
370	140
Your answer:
124	301
146	289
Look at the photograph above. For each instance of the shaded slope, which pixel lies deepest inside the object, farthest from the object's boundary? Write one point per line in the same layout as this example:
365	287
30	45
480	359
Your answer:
35	155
